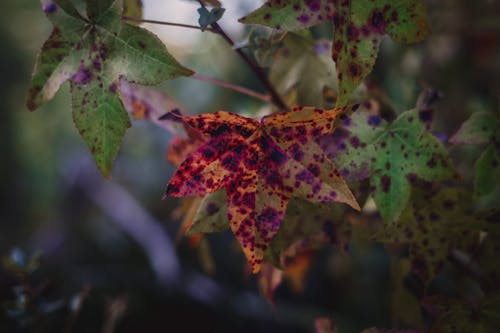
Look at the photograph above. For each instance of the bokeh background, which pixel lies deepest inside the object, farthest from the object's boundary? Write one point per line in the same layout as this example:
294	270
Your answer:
109	258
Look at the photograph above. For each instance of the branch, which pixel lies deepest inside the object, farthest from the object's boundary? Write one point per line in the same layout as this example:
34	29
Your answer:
276	98
172	24
231	86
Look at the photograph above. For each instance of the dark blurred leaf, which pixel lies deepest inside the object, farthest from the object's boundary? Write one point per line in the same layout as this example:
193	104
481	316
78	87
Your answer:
209	17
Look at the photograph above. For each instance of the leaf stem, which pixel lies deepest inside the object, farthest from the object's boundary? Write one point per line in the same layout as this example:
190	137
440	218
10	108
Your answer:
172	24
228	85
275	97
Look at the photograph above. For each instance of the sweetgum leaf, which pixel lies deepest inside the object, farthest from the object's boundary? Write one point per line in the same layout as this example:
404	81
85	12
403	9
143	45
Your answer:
93	53
359	26
305	65
480	128
390	155
262	165
308	226
433	225
484	128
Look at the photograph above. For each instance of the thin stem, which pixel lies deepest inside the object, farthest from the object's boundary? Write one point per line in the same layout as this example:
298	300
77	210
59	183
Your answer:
276	98
231	86
172	24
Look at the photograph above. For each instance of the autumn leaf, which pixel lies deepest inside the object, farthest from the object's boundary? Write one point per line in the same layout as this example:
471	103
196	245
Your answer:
93	52
484	128
359	26
390	155
262	165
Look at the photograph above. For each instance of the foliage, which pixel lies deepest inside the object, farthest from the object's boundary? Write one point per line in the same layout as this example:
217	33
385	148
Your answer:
275	176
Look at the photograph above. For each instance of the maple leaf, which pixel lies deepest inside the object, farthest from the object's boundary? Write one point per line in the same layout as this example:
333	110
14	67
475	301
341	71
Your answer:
390	155
262	165
93	52
359	26
484	128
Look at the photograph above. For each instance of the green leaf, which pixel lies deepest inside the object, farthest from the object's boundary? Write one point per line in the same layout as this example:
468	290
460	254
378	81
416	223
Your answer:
94	53
291	15
359	26
357	39
390	155
432	225
487	180
480	128
305	65
484	128
211	215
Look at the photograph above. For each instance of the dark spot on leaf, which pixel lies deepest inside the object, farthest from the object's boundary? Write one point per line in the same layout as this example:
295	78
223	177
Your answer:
83	75
50	8
374	120
212	208
385	182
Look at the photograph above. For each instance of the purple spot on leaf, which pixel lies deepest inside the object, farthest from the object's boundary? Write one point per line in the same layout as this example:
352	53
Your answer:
50	8
374	120
212	209
82	76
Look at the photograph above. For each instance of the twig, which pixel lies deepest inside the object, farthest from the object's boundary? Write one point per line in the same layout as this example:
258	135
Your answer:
276	98
231	86
172	24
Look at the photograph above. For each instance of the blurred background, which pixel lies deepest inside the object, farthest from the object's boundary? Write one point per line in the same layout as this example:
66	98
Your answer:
102	256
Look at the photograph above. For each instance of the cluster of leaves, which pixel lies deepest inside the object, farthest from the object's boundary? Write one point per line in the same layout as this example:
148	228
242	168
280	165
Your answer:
272	181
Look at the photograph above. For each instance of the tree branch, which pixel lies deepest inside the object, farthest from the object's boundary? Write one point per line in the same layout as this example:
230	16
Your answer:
276	98
241	90
172	24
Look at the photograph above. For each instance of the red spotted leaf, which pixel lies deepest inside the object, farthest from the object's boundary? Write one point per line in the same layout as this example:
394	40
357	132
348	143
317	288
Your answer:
261	165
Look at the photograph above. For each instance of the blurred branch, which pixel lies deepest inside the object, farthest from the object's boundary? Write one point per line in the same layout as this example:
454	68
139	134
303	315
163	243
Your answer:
133	219
259	73
241	90
172	24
